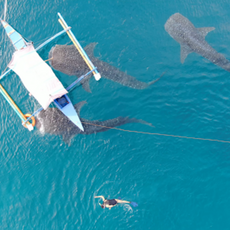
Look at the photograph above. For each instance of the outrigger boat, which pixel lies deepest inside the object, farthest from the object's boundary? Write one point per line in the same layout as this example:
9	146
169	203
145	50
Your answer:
38	77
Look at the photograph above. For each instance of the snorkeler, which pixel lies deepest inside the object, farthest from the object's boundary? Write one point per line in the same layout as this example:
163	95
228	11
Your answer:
113	202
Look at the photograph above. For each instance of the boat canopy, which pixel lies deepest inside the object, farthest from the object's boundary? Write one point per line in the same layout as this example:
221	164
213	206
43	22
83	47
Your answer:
36	75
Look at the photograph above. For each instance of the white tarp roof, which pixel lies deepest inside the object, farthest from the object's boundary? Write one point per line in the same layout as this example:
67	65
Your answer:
36	75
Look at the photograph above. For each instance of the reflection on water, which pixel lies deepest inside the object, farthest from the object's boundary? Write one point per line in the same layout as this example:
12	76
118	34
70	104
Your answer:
127	208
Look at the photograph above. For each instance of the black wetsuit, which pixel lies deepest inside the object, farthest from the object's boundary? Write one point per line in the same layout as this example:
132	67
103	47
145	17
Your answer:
110	202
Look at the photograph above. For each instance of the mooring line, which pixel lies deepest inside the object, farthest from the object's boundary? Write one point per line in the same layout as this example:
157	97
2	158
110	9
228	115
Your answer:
160	134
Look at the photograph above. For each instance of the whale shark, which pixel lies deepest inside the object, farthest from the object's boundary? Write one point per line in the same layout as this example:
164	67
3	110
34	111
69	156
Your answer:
192	39
53	121
66	59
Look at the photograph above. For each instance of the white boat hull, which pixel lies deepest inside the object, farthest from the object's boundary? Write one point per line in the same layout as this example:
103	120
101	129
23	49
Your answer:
66	107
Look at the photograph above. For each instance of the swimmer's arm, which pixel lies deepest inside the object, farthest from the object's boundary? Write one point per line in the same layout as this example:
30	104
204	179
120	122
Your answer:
122	201
102	197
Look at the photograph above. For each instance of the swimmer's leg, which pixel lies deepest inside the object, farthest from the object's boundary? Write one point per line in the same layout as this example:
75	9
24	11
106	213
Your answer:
122	201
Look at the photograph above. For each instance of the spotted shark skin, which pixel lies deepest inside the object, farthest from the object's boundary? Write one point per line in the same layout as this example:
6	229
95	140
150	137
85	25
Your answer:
192	39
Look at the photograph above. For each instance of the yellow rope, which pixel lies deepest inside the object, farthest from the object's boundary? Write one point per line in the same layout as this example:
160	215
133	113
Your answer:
160	134
48	59
4	70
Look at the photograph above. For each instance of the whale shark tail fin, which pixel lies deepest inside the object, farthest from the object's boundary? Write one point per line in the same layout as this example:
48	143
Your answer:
154	81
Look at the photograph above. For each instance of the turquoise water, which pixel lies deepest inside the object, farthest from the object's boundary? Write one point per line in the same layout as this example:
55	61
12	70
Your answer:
178	183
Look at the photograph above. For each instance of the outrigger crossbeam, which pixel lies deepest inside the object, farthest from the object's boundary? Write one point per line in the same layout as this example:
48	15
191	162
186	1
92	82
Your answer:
15	108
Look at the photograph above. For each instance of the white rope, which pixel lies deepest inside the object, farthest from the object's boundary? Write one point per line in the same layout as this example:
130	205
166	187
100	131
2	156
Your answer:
5	9
160	134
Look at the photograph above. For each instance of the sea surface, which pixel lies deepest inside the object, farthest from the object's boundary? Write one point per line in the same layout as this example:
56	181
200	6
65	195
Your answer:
178	183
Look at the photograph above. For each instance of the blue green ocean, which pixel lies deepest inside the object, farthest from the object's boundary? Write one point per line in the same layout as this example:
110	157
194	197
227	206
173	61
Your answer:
178	183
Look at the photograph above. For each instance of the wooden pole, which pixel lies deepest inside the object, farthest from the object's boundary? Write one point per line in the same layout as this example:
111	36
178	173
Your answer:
79	48
13	105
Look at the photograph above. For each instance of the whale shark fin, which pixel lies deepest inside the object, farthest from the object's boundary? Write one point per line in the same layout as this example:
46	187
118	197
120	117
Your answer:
66	138
86	86
205	30
78	106
90	48
184	52
85	83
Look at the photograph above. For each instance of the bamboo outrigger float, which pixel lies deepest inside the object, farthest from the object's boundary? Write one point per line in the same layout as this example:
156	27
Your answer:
38	77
